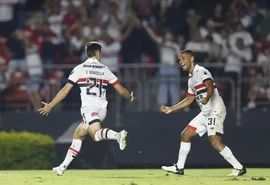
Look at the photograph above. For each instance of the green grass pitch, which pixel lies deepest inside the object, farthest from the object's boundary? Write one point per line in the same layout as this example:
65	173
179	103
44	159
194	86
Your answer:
134	177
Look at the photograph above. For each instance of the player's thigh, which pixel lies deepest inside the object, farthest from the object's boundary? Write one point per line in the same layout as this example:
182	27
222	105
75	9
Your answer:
197	125
215	125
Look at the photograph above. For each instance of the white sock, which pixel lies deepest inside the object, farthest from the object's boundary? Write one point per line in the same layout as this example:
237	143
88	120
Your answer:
228	156
72	152
106	134
183	152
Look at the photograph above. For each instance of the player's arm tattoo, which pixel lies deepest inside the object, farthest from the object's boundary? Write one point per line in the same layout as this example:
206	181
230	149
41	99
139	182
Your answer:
210	87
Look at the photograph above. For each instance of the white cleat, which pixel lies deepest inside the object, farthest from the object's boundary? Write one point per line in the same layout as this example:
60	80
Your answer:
173	169
122	139
237	172
58	171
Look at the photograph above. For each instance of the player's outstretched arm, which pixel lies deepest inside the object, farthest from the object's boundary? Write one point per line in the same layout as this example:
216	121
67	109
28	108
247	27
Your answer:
124	93
184	103
58	98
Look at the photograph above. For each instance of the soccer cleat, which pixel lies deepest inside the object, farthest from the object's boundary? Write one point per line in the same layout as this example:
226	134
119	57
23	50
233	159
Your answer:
58	170
237	172
173	169
122	139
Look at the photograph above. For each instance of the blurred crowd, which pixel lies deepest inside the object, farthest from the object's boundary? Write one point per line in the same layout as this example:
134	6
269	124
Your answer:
228	33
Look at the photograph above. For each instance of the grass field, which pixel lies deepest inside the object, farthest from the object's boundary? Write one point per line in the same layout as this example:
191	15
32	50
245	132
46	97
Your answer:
134	177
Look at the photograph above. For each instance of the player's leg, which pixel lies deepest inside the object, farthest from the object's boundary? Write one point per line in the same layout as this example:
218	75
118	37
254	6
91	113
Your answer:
98	133
73	150
215	133
195	127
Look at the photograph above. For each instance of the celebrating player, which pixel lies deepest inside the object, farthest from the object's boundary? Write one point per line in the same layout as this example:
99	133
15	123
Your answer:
201	87
93	78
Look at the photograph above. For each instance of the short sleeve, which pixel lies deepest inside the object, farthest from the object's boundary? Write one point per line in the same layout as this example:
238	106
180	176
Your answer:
206	75
74	76
112	79
190	92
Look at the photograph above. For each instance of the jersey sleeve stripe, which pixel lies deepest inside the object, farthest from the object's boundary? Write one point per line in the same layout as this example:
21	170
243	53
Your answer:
115	83
189	94
199	86
82	80
105	81
71	82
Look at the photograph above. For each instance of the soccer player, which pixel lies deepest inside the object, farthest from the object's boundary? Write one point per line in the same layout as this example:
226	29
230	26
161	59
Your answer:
93	78
201	87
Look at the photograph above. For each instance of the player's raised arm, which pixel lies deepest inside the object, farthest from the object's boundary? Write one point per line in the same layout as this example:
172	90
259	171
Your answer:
72	79
113	80
124	92
58	98
184	103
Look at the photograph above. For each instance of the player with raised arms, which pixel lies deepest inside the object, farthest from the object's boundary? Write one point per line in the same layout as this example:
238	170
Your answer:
201	87
93	78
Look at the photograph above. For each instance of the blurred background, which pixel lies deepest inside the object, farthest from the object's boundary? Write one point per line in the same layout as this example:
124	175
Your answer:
41	41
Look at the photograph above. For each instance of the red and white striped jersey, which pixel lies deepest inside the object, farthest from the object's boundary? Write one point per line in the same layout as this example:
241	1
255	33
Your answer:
93	78
197	88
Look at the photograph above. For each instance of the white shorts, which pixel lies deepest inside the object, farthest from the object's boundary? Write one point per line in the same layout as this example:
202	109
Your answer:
212	124
92	114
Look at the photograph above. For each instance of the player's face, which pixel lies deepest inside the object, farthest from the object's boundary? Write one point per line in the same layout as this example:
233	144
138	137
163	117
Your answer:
185	61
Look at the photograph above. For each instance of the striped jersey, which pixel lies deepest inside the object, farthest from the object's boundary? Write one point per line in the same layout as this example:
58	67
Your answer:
197	88
93	78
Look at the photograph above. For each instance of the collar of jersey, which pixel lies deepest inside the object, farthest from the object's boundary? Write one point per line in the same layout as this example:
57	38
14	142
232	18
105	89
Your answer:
195	68
91	60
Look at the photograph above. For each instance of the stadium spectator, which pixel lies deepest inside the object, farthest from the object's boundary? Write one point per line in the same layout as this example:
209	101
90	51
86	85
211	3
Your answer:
263	28
35	73
168	72
233	67
16	47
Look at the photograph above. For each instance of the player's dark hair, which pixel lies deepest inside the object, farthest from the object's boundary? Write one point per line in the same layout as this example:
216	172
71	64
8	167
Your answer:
187	51
91	49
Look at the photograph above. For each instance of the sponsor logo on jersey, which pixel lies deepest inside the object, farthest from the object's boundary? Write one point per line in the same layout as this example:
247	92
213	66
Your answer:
94	114
93	66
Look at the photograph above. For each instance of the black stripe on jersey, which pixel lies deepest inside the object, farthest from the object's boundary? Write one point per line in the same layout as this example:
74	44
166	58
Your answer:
204	90
104	87
207	79
71	82
83	85
201	91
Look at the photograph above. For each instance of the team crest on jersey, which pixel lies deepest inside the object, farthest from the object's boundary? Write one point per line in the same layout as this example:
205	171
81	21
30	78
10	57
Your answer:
205	72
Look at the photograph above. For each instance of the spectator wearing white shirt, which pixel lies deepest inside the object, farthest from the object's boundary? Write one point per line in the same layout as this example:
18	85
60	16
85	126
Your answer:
199	47
35	73
7	16
110	51
233	66
243	34
169	71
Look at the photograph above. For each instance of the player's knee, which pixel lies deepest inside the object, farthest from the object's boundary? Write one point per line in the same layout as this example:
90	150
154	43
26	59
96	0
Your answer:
78	136
185	137
215	143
